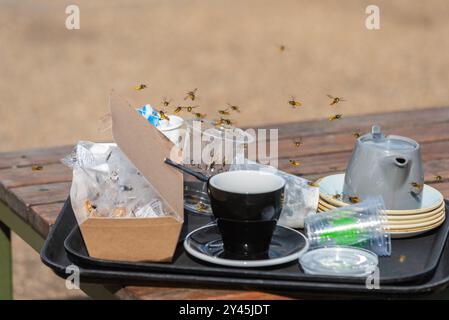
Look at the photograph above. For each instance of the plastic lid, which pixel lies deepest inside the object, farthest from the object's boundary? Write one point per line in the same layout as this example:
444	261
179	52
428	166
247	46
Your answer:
339	261
377	138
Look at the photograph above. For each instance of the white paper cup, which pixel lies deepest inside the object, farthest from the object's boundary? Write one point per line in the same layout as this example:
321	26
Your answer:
172	128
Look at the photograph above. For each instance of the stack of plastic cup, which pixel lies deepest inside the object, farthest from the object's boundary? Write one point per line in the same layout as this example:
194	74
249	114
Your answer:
362	225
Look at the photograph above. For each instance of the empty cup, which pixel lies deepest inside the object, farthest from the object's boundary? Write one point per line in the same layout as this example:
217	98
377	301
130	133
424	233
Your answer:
247	205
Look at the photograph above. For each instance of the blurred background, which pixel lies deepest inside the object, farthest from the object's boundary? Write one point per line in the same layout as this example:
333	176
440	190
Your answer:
54	82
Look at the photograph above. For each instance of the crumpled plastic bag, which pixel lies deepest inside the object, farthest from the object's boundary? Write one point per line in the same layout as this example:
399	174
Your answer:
300	199
106	184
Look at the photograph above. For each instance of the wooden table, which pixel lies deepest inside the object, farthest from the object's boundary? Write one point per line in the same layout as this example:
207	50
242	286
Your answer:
31	200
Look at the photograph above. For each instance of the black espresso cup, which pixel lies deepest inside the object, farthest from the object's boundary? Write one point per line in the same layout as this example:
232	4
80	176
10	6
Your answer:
247	205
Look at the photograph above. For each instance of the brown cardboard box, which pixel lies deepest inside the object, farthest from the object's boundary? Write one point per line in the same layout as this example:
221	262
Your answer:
139	239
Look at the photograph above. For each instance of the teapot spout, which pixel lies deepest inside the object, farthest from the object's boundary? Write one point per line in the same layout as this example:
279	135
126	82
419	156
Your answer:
396	169
401	161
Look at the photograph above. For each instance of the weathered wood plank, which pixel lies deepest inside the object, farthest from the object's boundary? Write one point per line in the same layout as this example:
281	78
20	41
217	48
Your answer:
43	216
29	157
363	122
43	193
24	176
22	199
168	293
339	142
336	162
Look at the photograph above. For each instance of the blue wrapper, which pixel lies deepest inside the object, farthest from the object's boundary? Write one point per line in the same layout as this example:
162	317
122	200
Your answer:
150	114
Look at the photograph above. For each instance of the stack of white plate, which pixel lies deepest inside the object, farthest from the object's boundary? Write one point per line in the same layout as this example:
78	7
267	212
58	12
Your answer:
401	223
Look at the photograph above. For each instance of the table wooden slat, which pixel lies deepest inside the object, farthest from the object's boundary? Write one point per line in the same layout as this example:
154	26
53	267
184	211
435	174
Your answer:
29	157
337	161
162	293
43	217
338	142
43	193
362	122
24	176
40	212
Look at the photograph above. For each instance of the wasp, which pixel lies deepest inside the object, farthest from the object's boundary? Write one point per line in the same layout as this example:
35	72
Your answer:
217	123
163	116
354	199
297	142
199	115
281	48
140	87
89	206
313	184
417	185
225	161
335	100
224	112
225	121
438	178
294	103
234	107
356	135
335	117
166	102
201	206
191	94
36	167
294	163
177	109
211	166
190	108
336	196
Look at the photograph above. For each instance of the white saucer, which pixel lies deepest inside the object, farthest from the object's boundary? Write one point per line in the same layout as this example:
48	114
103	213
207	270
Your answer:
333	184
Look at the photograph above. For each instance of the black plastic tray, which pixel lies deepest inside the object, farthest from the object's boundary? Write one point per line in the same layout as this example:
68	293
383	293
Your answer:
55	256
421	258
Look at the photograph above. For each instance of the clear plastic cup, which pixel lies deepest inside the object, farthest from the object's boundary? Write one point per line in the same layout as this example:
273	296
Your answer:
361	225
210	150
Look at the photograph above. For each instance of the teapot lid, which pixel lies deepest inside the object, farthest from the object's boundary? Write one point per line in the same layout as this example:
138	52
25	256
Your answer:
377	139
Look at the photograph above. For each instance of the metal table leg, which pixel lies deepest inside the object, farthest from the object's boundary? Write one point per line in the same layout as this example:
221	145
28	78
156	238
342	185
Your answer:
5	263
